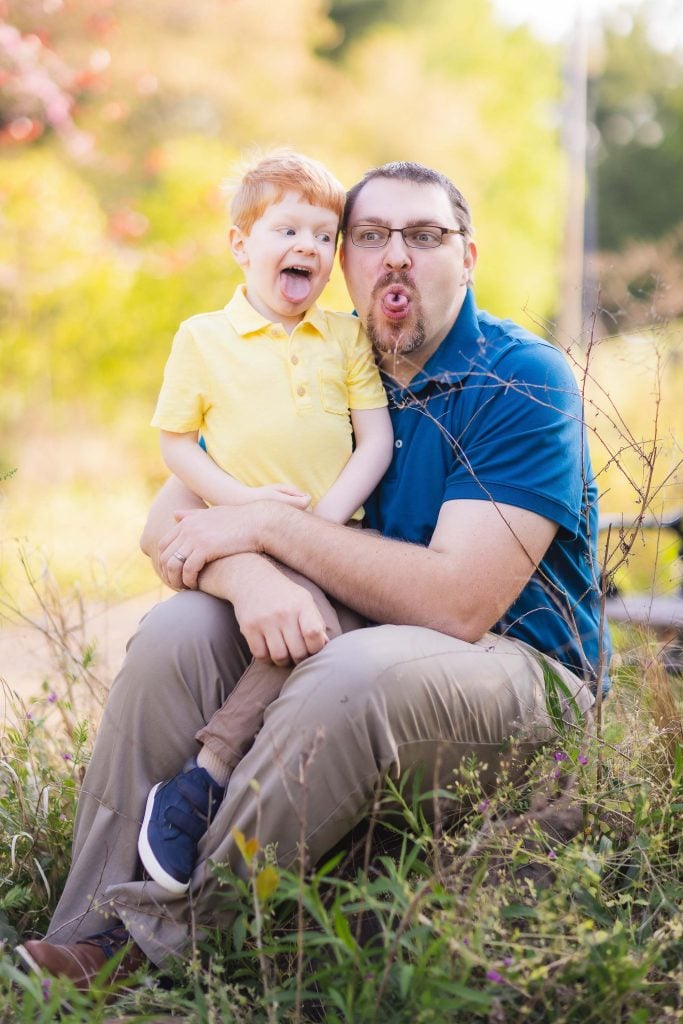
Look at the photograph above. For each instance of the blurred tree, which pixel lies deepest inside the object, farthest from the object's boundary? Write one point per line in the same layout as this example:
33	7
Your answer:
51	58
637	101
638	113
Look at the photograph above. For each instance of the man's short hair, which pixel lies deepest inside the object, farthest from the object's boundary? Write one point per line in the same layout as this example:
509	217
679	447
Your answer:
406	170
266	178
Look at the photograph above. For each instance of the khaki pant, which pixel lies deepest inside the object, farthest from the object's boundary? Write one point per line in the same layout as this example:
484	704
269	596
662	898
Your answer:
374	703
231	730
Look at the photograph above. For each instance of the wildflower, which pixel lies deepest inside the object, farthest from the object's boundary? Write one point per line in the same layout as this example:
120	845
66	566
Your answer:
66	757
46	985
483	805
52	697
557	774
508	961
552	855
494	976
560	755
583	759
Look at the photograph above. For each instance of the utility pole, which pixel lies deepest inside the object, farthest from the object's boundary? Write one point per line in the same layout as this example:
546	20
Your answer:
570	314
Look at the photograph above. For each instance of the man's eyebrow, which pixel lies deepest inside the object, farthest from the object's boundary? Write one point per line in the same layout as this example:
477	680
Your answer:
417	222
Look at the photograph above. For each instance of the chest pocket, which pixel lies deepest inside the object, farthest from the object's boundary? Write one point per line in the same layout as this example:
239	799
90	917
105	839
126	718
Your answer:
333	393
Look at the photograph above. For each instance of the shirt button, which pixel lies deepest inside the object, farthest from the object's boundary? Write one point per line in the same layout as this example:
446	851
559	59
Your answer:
398	443
301	390
295	360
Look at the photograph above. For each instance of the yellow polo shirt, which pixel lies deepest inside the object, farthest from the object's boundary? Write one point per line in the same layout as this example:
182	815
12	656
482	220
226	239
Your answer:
272	407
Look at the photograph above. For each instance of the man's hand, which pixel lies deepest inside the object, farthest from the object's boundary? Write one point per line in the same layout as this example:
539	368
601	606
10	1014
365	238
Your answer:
203	535
278	618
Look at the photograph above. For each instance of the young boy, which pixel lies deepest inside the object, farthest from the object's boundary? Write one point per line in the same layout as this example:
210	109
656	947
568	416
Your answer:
288	402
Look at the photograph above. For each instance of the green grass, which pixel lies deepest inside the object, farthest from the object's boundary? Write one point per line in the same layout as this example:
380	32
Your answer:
556	902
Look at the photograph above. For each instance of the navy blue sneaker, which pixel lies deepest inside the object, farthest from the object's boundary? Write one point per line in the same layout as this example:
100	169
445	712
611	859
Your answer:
177	815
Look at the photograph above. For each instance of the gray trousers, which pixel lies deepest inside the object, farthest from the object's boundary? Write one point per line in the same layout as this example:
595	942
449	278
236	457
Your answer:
373	704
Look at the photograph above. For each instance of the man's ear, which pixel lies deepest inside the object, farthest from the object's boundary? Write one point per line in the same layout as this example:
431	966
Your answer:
237	240
470	261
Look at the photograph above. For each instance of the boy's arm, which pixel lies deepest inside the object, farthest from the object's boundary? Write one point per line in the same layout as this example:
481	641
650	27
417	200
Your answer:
197	470
374	440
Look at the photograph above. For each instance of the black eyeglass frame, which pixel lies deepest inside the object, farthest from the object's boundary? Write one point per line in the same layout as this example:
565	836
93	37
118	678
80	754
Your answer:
402	231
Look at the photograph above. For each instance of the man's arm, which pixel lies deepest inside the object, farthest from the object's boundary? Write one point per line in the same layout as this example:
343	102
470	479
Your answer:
278	619
480	557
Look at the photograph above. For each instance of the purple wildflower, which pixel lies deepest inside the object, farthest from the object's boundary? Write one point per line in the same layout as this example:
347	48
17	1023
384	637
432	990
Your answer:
508	961
552	855
52	697
66	757
494	976
560	755
557	774
583	759
483	805
46	986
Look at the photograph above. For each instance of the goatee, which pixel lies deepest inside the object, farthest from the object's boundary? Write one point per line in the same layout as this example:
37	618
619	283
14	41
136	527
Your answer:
396	338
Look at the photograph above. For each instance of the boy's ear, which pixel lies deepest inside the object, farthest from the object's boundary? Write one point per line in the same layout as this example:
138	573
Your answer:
237	238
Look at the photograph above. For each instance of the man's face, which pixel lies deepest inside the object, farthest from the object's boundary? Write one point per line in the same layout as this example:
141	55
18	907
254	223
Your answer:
407	298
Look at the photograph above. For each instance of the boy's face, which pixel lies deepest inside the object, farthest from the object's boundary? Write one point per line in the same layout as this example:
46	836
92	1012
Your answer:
287	257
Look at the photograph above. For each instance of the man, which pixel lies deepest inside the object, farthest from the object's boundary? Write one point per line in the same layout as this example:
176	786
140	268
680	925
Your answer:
487	568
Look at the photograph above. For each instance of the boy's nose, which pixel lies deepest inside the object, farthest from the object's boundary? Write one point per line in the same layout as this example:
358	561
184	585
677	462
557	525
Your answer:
305	243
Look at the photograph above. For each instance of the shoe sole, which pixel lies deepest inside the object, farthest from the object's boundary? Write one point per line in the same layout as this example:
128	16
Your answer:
152	866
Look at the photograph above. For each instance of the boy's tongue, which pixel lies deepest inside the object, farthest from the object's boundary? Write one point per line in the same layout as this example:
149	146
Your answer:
294	287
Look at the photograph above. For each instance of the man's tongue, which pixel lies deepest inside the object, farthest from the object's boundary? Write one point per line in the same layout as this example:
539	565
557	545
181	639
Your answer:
295	286
395	302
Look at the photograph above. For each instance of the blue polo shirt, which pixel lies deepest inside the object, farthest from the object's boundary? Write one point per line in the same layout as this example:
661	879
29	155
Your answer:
496	415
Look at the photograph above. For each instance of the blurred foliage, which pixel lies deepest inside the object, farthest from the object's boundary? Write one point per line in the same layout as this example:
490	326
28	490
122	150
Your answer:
638	111
636	95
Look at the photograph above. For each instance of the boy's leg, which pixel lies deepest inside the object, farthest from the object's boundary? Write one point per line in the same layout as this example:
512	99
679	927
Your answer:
230	732
179	810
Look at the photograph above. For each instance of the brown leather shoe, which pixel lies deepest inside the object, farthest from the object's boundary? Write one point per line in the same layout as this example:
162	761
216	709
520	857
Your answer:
81	961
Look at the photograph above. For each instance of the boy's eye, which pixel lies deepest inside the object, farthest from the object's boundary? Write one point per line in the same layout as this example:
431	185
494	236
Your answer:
287	231
324	236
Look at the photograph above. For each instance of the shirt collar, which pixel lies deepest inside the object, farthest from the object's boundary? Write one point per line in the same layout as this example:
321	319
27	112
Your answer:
457	354
247	320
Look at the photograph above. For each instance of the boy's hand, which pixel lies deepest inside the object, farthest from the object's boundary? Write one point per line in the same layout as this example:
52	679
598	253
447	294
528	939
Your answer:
278	619
281	492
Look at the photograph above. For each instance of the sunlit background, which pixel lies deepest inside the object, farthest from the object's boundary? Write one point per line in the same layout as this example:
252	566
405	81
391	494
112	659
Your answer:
561	122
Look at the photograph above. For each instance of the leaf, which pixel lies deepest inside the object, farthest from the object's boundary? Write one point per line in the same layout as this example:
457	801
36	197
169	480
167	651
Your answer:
247	847
266	882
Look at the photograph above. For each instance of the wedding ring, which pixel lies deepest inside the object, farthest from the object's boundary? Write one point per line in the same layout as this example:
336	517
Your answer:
181	558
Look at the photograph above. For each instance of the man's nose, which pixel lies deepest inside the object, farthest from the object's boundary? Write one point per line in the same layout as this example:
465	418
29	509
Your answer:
396	253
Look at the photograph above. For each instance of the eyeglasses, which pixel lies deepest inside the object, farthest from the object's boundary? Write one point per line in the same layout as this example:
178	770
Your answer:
419	236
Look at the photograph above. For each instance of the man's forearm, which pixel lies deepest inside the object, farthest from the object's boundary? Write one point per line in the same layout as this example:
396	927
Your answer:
387	581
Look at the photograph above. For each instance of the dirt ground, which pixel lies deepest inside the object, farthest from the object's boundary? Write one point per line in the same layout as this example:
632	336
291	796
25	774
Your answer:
27	658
